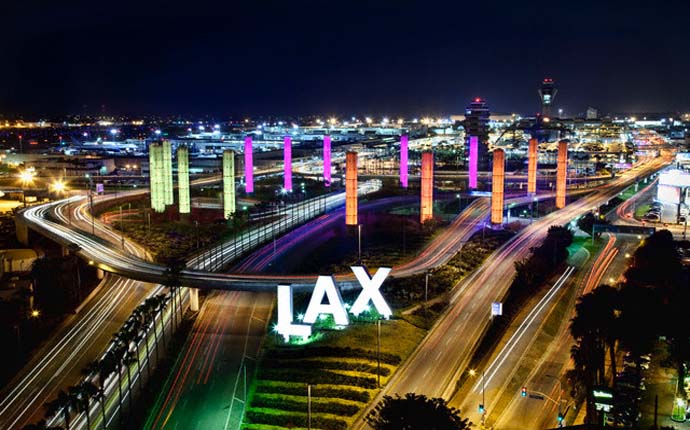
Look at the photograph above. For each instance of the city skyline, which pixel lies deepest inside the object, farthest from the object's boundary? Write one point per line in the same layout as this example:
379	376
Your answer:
298	59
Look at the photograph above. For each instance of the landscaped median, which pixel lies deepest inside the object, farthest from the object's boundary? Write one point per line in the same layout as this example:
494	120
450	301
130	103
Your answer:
343	367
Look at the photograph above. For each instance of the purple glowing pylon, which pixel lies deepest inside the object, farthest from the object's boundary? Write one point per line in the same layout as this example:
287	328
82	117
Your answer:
248	165
287	163
403	161
327	160
474	154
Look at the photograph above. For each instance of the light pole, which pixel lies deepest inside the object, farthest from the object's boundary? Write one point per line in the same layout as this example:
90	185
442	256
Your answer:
378	352
482	405
93	220
27	178
359	242
426	286
459	196
309	406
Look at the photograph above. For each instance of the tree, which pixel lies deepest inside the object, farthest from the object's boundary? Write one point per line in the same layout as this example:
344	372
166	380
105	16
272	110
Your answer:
62	405
586	222
83	393
41	425
596	321
415	412
103	369
173	282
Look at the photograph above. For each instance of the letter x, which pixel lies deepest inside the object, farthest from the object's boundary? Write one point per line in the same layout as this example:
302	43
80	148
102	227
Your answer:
370	291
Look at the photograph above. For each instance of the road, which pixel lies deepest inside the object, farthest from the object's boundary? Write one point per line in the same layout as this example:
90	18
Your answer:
442	356
547	371
79	340
113	259
206	388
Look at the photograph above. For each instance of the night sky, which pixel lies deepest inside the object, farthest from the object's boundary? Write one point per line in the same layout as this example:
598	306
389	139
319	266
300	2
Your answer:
341	58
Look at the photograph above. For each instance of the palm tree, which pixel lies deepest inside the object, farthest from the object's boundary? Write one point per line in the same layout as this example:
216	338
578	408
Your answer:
62	405
139	315
102	369
132	328
161	304
149	315
41	425
121	343
83	393
113	360
172	281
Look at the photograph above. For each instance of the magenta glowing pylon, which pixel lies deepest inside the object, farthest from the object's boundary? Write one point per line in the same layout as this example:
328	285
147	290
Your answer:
403	161
474	154
327	160
248	165
287	163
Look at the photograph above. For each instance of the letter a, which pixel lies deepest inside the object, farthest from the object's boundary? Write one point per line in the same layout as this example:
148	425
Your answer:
325	285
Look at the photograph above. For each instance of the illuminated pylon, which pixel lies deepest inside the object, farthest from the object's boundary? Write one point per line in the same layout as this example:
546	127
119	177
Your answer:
532	167
156	177
351	188
403	160
287	163
168	173
248	165
561	173
183	179
497	182
228	183
474	156
327	160
426	206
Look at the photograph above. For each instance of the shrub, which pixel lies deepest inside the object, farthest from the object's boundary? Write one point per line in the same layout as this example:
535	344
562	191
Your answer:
333	351
316	376
320	364
285	404
294	390
294	420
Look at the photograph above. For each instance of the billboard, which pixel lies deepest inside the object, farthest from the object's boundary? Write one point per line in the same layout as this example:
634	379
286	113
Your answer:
675	177
668	194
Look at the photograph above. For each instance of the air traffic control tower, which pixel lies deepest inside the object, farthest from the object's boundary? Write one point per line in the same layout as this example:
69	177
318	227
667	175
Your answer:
477	125
547	93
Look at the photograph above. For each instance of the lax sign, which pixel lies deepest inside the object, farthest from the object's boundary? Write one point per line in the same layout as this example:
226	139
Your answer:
325	286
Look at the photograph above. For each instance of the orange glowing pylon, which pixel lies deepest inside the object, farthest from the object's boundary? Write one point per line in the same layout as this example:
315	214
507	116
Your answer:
426	208
351	188
497	183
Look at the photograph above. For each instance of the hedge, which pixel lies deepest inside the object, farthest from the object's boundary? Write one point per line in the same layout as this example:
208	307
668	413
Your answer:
294	420
285	404
316	376
316	391
320	364
333	351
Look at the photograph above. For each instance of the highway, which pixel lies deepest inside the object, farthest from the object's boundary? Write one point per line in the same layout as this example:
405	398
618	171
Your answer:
113	259
545	373
442	356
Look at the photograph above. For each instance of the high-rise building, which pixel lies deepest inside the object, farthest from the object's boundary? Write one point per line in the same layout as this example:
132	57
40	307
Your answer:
547	93
477	125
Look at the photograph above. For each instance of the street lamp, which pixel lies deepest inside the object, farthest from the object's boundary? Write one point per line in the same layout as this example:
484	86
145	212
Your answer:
482	405
26	177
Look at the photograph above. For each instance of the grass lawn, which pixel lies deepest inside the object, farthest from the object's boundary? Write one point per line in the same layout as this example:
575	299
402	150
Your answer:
341	367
